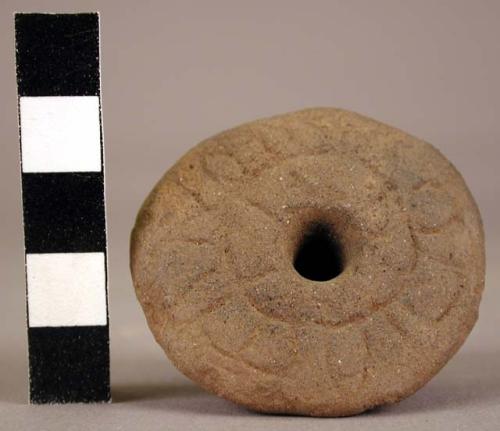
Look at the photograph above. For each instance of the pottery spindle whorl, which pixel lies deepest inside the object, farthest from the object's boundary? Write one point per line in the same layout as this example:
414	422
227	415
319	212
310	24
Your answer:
316	263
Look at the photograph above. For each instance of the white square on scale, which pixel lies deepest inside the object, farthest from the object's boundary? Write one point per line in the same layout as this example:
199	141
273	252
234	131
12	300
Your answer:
66	289
60	134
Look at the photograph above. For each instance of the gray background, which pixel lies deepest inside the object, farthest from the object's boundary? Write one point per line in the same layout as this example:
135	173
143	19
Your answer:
177	72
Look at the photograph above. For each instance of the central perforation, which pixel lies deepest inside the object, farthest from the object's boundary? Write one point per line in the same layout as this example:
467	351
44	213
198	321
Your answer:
319	254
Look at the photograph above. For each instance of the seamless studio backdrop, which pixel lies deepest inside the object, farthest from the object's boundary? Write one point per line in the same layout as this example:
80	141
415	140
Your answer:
175	72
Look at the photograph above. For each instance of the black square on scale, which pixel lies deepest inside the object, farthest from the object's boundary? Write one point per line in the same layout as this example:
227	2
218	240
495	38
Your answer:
57	54
64	212
69	364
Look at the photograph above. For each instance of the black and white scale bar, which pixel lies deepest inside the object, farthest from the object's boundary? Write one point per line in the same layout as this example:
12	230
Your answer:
62	164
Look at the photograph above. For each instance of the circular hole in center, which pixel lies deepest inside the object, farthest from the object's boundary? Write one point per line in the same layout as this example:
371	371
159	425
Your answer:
319	255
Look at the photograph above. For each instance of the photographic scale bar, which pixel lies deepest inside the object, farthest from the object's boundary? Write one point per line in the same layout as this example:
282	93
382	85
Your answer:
62	164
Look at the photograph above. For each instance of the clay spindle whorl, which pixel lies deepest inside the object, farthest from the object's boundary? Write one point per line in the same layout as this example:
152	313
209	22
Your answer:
316	263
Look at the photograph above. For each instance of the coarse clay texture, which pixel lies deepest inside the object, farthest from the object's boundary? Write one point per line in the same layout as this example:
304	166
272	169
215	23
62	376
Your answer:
213	249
